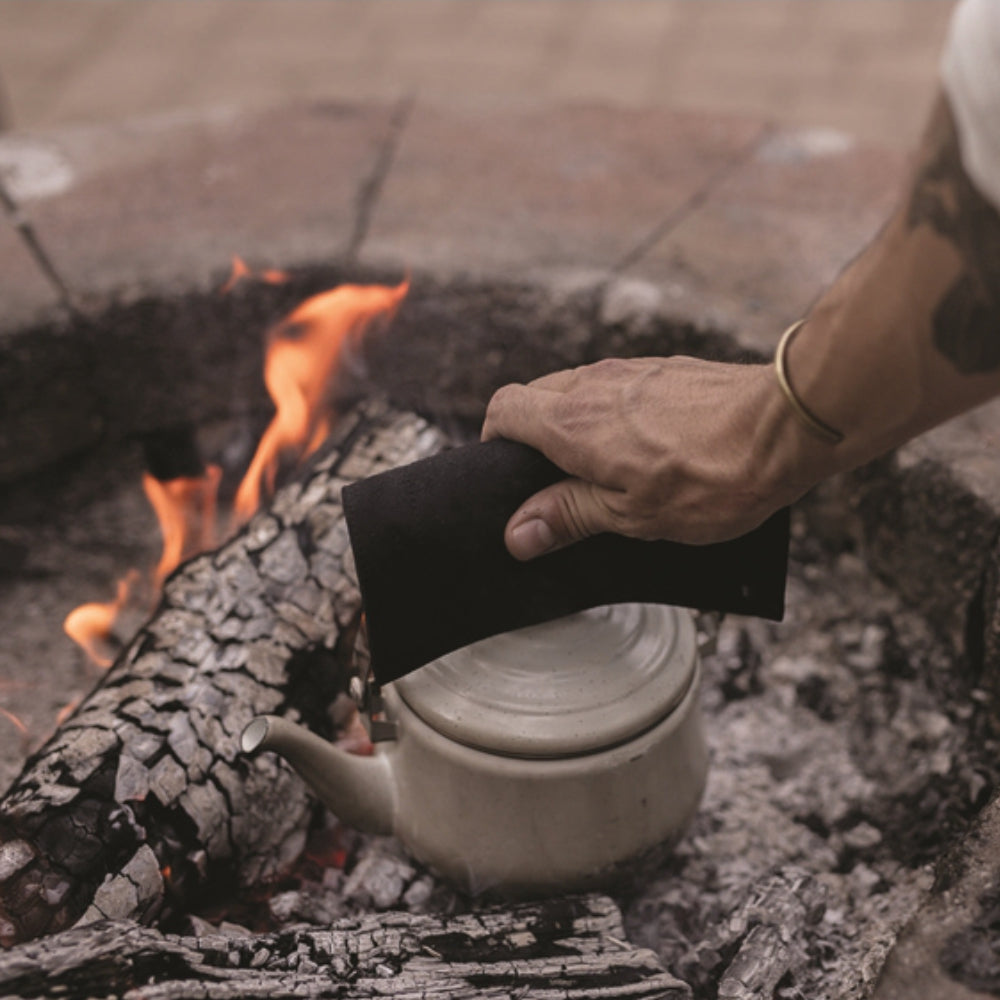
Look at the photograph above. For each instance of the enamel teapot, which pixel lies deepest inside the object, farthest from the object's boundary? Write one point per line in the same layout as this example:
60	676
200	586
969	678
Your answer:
534	761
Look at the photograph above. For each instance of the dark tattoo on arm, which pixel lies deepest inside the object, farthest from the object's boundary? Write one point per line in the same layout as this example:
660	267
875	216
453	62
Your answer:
966	322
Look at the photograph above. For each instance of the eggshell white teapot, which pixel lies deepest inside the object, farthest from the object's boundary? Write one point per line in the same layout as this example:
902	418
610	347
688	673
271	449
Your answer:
534	761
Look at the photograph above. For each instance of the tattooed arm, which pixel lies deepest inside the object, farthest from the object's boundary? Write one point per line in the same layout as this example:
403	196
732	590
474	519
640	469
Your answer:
908	336
910	333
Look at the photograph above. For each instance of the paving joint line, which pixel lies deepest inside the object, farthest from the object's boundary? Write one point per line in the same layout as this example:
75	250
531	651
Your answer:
690	205
370	188
37	252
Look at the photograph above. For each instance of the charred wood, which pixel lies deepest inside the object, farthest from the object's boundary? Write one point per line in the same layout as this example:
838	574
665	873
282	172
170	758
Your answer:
142	795
769	933
570	949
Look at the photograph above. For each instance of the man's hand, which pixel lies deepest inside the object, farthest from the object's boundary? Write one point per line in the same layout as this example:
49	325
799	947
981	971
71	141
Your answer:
695	451
675	448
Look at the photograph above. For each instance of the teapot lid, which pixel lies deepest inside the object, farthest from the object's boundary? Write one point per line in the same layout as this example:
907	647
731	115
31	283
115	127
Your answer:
567	687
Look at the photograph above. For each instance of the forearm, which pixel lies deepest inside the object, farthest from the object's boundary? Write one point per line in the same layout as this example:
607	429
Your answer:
909	335
695	451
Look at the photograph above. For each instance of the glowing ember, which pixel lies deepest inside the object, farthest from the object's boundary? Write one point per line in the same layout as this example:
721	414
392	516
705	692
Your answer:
186	509
67	710
241	271
90	624
301	361
326	849
15	721
354	738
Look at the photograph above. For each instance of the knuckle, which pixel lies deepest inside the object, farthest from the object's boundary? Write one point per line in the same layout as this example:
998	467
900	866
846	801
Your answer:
503	406
504	397
612	367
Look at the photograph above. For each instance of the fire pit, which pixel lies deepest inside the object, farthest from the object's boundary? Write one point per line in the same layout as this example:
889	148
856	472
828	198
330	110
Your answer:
848	753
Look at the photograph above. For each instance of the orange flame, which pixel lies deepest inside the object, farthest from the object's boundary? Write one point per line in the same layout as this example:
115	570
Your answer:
241	271
302	357
15	721
186	509
91	624
301	360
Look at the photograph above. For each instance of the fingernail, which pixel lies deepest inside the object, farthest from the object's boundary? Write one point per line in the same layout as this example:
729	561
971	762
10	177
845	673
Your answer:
530	539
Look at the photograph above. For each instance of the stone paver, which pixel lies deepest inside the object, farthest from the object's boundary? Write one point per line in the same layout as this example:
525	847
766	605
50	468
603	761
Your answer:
280	187
867	68
24	291
773	233
522	193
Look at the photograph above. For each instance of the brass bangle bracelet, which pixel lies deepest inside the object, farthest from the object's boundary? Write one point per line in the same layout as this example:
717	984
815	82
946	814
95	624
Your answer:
809	420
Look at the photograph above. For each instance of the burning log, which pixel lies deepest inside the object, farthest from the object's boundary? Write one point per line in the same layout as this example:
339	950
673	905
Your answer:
142	796
569	949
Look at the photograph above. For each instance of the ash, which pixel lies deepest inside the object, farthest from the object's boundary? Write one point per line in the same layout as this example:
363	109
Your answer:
848	752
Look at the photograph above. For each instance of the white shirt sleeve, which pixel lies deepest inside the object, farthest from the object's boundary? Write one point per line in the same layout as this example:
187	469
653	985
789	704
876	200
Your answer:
970	73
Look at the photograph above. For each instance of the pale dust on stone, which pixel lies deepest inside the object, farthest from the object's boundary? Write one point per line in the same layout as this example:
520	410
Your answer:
283	561
167	779
14	855
132	779
266	662
182	738
205	805
261	531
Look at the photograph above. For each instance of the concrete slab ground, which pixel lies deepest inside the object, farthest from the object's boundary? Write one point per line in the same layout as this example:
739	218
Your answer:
193	192
523	193
772	231
865	68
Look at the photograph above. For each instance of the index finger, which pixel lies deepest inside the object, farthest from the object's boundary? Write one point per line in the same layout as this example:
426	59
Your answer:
521	413
536	417
557	381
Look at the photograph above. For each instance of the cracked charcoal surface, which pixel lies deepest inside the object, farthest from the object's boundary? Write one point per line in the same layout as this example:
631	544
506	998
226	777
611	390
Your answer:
570	949
146	776
848	755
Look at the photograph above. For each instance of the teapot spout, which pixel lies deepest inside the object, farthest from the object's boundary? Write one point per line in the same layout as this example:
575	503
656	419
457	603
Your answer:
358	790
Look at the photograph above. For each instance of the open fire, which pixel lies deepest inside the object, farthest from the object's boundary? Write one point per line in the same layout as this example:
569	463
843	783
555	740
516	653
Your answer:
304	353
825	808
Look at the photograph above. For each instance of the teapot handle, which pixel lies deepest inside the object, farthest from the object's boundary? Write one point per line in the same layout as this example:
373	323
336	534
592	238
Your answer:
366	692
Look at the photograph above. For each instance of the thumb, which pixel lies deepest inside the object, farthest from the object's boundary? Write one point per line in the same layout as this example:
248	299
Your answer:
556	517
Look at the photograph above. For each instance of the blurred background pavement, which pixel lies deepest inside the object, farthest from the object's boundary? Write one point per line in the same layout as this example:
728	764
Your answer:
867	67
